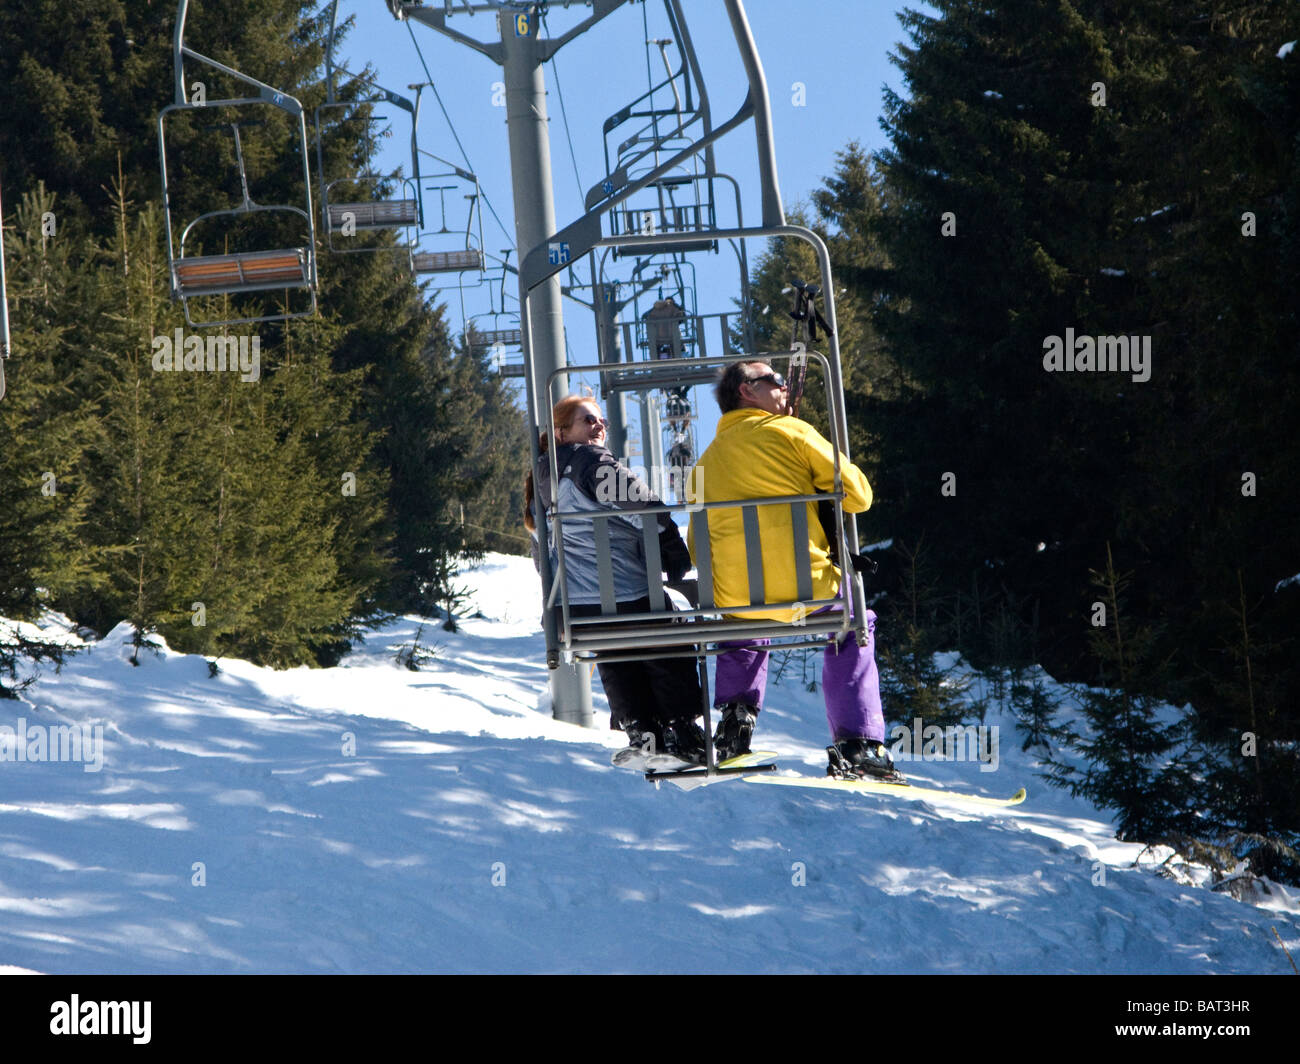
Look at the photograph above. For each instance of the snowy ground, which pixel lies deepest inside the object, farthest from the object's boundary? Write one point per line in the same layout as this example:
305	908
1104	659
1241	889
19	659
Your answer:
369	818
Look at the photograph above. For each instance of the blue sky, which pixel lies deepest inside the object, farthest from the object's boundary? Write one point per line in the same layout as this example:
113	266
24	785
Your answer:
825	64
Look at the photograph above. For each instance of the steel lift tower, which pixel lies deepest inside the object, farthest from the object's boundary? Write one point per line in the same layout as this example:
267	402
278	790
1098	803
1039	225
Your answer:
520	51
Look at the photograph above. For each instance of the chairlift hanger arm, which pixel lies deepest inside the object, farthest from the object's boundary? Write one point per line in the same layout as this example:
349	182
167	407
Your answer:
773	211
330	67
565	290
266	93
584	234
437	20
677	20
629	111
600	8
389	95
464	175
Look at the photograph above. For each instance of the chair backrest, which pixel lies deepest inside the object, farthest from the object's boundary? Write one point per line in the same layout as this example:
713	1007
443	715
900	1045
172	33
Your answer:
610	635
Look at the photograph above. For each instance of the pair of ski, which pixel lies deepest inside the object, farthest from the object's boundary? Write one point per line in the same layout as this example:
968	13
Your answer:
660	767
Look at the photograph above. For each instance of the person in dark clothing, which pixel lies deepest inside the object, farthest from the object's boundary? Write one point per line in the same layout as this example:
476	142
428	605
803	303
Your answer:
654	701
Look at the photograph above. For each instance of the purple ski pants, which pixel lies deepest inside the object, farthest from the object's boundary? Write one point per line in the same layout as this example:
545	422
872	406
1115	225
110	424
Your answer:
850	682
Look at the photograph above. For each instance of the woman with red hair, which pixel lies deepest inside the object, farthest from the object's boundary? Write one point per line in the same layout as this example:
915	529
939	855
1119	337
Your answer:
656	701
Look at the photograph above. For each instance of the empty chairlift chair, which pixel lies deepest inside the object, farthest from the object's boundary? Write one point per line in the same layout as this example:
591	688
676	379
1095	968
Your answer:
344	213
353	202
452	250
250	268
505	342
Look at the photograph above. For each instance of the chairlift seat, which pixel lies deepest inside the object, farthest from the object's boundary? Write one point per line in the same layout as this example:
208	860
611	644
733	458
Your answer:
636	251
492	337
447	261
251	271
374	214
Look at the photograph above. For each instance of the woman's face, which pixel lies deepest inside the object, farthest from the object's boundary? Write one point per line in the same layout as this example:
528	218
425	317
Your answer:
588	426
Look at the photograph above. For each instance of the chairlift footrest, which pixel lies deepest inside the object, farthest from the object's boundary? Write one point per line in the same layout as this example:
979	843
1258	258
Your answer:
704	773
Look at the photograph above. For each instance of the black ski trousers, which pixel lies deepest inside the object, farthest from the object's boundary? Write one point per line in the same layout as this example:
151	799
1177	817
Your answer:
647	692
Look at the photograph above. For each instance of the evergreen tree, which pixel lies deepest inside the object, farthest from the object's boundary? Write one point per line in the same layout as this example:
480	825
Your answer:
1128	173
1136	763
270	519
995	231
915	680
141	455
44	492
1251	765
490	486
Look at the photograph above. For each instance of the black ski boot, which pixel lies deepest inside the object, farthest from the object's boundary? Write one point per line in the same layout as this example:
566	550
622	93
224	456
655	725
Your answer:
684	739
643	741
735	730
862	759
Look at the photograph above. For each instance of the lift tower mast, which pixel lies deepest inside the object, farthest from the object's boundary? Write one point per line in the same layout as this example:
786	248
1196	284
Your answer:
520	51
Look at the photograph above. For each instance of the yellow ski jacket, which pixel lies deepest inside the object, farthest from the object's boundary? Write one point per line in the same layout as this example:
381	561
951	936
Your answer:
758	454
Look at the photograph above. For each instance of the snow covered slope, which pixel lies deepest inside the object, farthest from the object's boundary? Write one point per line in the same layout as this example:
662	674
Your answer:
369	818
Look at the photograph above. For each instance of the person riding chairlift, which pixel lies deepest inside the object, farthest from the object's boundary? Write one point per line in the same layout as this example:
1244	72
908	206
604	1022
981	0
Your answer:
655	701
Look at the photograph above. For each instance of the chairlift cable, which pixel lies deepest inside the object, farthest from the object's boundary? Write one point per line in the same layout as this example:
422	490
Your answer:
463	154
564	114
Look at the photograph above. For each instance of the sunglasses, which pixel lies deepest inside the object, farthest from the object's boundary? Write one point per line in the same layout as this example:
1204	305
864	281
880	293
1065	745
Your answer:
775	378
591	419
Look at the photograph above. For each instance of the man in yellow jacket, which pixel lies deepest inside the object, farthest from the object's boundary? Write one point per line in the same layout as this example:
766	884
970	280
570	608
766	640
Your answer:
761	451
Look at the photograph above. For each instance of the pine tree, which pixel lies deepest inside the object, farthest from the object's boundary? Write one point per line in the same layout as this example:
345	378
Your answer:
282	515
489	490
1251	766
138	459
1121	172
44	493
915	680
1136	763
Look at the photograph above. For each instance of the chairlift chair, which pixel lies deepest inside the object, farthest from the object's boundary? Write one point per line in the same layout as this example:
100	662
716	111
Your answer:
465	254
504	339
659	631
345	217
609	636
246	270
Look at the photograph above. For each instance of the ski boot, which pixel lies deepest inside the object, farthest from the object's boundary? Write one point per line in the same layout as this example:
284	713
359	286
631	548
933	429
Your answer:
735	730
644	741
684	739
856	759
